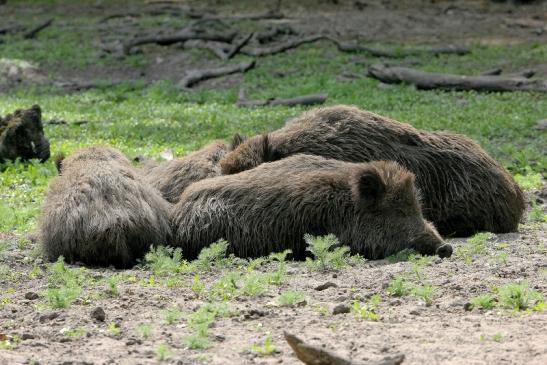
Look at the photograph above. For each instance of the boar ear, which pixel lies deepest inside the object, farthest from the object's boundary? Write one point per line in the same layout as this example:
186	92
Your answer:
369	188
237	139
59	162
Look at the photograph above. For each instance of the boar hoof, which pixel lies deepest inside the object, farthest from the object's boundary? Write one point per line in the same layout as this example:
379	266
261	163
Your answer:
444	251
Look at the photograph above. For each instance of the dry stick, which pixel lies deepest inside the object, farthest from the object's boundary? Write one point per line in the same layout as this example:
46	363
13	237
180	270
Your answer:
34	31
195	76
239	45
298	100
314	355
429	80
267	51
347	47
181	37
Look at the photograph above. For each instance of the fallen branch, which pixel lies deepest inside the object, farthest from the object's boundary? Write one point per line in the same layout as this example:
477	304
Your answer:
14	28
314	355
34	31
429	80
270	34
349	47
239	45
267	51
299	100
181	37
195	76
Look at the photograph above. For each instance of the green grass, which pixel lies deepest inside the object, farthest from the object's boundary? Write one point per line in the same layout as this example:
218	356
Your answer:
485	301
399	287
265	349
368	310
290	298
519	297
143	120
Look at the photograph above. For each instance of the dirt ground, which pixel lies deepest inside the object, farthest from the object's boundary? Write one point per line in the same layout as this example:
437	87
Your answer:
445	332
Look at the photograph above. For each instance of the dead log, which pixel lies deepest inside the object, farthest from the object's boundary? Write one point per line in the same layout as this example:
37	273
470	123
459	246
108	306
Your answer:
195	76
430	80
177	38
350	47
315	355
312	99
34	31
22	136
279	48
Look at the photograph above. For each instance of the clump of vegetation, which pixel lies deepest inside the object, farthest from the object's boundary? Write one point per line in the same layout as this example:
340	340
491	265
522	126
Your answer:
399	287
515	296
327	254
254	284
65	284
163	352
485	301
164	260
172	315
367	310
200	320
112	286
519	297
74	332
278	277
144	330
267	348
212	256
530	180
537	215
426	293
474	246
114	329
290	298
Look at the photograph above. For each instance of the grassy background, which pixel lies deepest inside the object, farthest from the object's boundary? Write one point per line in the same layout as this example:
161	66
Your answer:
146	119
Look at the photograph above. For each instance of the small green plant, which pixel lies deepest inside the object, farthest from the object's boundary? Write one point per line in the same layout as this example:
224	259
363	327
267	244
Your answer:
9	342
197	342
164	260
226	287
485	301
531	180
367	310
399	287
35	273
172	315
267	348
144	330
197	286
74	332
253	285
212	256
290	298
62	297
498	337
112	286
401	256
474	246
114	329
327	255
426	293
519	297
537	215
163	352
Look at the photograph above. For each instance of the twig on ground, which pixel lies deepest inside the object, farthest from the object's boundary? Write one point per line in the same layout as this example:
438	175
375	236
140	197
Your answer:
267	15
219	49
430	80
299	100
239	45
194	76
34	31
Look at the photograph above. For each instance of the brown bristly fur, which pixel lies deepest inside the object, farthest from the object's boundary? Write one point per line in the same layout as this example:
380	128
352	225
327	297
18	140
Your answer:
100	212
371	207
464	190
